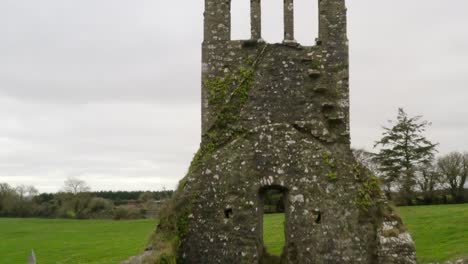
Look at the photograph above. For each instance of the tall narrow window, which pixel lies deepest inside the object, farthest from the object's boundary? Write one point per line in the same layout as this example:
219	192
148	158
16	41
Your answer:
273	200
306	21
240	19
272	20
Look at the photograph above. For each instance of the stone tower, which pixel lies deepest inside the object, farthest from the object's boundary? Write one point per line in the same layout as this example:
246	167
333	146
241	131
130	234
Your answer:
276	116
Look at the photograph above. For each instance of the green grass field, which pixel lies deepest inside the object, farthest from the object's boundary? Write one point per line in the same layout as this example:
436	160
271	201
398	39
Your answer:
440	232
72	241
273	233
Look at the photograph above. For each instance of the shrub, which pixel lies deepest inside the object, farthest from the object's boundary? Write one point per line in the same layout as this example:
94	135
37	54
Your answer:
127	212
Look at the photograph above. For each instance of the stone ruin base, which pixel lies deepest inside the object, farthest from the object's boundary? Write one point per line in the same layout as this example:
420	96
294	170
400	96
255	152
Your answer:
340	217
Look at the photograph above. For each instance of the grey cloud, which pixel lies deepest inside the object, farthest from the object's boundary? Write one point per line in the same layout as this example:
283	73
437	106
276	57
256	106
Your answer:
81	51
96	142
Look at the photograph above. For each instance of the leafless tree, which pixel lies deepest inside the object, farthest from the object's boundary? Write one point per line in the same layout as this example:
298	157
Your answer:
74	185
428	180
453	168
366	158
26	192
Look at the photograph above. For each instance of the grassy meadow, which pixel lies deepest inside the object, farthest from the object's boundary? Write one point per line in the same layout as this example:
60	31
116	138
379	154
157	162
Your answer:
440	232
273	233
72	241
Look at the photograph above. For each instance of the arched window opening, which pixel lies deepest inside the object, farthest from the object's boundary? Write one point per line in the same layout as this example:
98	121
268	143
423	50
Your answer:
273	199
306	21
240	19
272	21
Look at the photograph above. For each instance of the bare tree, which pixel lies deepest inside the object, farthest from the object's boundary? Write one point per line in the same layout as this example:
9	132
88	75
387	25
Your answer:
366	158
74	185
428	180
26	192
454	170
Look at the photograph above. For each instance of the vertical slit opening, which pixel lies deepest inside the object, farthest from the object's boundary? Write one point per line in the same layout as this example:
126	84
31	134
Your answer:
318	216
306	18
272	21
240	19
227	213
273	205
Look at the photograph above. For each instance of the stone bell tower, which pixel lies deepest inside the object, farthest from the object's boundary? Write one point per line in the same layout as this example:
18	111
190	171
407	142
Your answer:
276	117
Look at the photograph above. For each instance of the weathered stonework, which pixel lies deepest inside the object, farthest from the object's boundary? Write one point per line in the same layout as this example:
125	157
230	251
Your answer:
276	116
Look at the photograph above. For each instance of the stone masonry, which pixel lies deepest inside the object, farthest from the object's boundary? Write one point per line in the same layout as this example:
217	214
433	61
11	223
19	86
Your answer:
276	116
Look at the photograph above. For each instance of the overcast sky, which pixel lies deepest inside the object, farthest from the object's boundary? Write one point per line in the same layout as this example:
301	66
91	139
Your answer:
109	90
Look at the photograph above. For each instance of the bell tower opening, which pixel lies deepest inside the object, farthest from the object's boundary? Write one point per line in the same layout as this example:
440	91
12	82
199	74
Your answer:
306	26
272	20
273	218
240	19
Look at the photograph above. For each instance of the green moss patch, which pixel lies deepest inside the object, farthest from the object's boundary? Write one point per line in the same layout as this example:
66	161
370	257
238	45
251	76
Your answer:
227	97
332	175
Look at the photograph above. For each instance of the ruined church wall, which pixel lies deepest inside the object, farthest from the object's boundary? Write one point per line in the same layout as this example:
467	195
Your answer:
277	116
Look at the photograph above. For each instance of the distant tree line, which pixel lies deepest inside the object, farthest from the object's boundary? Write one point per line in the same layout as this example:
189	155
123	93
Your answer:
77	201
124	197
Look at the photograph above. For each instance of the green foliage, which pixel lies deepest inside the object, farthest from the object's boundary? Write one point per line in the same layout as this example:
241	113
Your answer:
23	202
403	148
369	193
8	198
72	241
183	225
123	197
17	201
332	175
127	212
218	89
173	226
164	245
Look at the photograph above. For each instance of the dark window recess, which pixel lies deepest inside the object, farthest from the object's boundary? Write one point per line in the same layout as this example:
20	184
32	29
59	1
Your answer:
228	213
318	217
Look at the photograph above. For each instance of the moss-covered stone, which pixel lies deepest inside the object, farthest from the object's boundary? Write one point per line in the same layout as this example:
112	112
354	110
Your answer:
369	192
